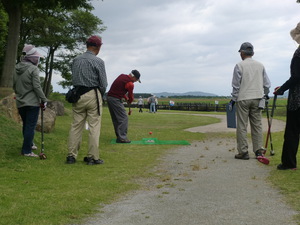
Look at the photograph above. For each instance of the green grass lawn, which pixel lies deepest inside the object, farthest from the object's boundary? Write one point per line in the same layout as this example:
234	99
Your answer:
35	191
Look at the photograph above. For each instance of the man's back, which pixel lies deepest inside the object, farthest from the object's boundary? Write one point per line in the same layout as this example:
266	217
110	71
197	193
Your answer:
252	79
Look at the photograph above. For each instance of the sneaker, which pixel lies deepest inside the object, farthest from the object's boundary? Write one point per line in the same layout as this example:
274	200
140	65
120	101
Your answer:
34	147
260	152
71	160
244	156
282	167
31	154
122	140
91	161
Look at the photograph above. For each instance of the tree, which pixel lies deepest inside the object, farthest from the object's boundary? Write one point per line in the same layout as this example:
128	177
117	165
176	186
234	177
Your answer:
3	34
14	8
58	30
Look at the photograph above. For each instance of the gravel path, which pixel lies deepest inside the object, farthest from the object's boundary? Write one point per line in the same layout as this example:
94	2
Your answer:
203	184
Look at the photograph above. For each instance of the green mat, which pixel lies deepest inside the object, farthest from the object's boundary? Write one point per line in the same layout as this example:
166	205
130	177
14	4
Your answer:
154	141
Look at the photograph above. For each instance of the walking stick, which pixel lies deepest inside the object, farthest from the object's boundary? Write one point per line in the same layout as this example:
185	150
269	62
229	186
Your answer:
42	154
269	136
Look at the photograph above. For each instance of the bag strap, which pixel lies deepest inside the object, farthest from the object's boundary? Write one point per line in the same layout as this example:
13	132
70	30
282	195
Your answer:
98	104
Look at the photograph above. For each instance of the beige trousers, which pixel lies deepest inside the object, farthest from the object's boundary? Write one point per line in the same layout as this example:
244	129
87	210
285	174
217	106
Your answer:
248	109
86	110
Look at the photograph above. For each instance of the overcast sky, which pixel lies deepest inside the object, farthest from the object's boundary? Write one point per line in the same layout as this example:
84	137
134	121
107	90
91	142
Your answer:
192	45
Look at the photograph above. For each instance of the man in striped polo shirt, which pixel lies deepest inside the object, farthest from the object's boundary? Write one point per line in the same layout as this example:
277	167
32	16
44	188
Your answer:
89	78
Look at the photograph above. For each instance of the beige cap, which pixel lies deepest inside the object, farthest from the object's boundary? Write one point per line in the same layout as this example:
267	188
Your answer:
295	33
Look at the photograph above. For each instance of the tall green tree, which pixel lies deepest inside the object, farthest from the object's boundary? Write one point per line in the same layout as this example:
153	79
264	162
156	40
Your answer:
14	8
3	34
61	33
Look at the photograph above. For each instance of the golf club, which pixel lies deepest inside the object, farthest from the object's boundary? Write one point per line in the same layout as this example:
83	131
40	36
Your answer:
42	154
129	111
270	118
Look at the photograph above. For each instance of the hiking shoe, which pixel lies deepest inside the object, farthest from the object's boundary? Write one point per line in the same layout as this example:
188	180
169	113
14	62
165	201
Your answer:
244	156
91	161
71	160
282	167
122	140
31	154
260	152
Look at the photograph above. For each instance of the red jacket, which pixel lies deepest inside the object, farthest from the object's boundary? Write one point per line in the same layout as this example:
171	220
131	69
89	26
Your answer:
121	86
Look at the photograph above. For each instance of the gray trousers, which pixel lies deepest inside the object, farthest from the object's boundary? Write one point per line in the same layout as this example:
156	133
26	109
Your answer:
119	116
248	109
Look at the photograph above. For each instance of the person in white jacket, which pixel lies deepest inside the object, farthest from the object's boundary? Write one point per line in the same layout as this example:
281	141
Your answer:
250	84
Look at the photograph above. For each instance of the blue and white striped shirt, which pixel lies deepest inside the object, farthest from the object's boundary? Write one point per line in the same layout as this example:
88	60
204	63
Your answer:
89	71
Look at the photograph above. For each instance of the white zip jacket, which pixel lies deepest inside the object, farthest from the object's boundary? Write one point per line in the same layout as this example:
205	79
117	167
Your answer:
250	81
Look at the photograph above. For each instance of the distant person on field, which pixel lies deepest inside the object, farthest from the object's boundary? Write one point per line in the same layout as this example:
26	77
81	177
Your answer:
29	95
156	103
89	76
151	101
122	87
292	129
250	84
140	104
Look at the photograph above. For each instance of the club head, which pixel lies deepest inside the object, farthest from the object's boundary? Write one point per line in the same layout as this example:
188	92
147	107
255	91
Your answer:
263	160
272	152
42	156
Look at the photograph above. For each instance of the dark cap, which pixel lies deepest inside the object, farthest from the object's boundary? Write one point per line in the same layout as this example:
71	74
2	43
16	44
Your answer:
136	74
94	41
247	48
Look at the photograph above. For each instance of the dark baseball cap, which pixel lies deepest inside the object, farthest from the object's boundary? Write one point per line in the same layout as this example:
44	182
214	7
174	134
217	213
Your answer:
247	48
136	74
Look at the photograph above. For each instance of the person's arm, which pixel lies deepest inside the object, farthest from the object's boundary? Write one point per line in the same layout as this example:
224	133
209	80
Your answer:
129	87
266	83
294	79
236	82
102	77
37	85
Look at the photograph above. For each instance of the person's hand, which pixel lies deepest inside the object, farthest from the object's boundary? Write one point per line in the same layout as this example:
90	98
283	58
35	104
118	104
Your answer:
266	97
277	91
43	105
231	104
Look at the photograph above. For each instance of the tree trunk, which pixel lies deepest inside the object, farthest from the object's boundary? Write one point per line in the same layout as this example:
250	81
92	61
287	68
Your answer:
14	15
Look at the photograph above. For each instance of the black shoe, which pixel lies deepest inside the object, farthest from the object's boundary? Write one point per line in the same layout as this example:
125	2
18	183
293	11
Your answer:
260	152
70	160
244	156
91	161
282	167
122	140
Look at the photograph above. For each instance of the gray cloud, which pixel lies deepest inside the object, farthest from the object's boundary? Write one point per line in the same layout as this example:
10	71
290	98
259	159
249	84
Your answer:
192	45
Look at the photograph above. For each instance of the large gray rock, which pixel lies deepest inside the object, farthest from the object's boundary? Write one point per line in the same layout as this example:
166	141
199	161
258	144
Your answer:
57	106
48	121
9	107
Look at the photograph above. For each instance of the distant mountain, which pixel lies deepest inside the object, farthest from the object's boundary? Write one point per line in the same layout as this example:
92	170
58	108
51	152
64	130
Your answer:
191	93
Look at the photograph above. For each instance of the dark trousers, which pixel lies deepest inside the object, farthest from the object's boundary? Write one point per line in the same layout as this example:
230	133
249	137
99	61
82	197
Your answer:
140	108
119	117
29	115
291	139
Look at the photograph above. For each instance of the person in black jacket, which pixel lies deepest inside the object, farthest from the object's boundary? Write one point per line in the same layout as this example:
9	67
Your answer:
292	129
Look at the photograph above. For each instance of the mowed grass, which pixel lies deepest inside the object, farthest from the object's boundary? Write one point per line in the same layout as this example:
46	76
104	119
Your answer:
35	191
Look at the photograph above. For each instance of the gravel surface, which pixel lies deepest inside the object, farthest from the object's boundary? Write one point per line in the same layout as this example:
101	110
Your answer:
202	184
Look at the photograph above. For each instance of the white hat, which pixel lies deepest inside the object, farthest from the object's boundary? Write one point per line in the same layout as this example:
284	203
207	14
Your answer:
30	50
295	33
